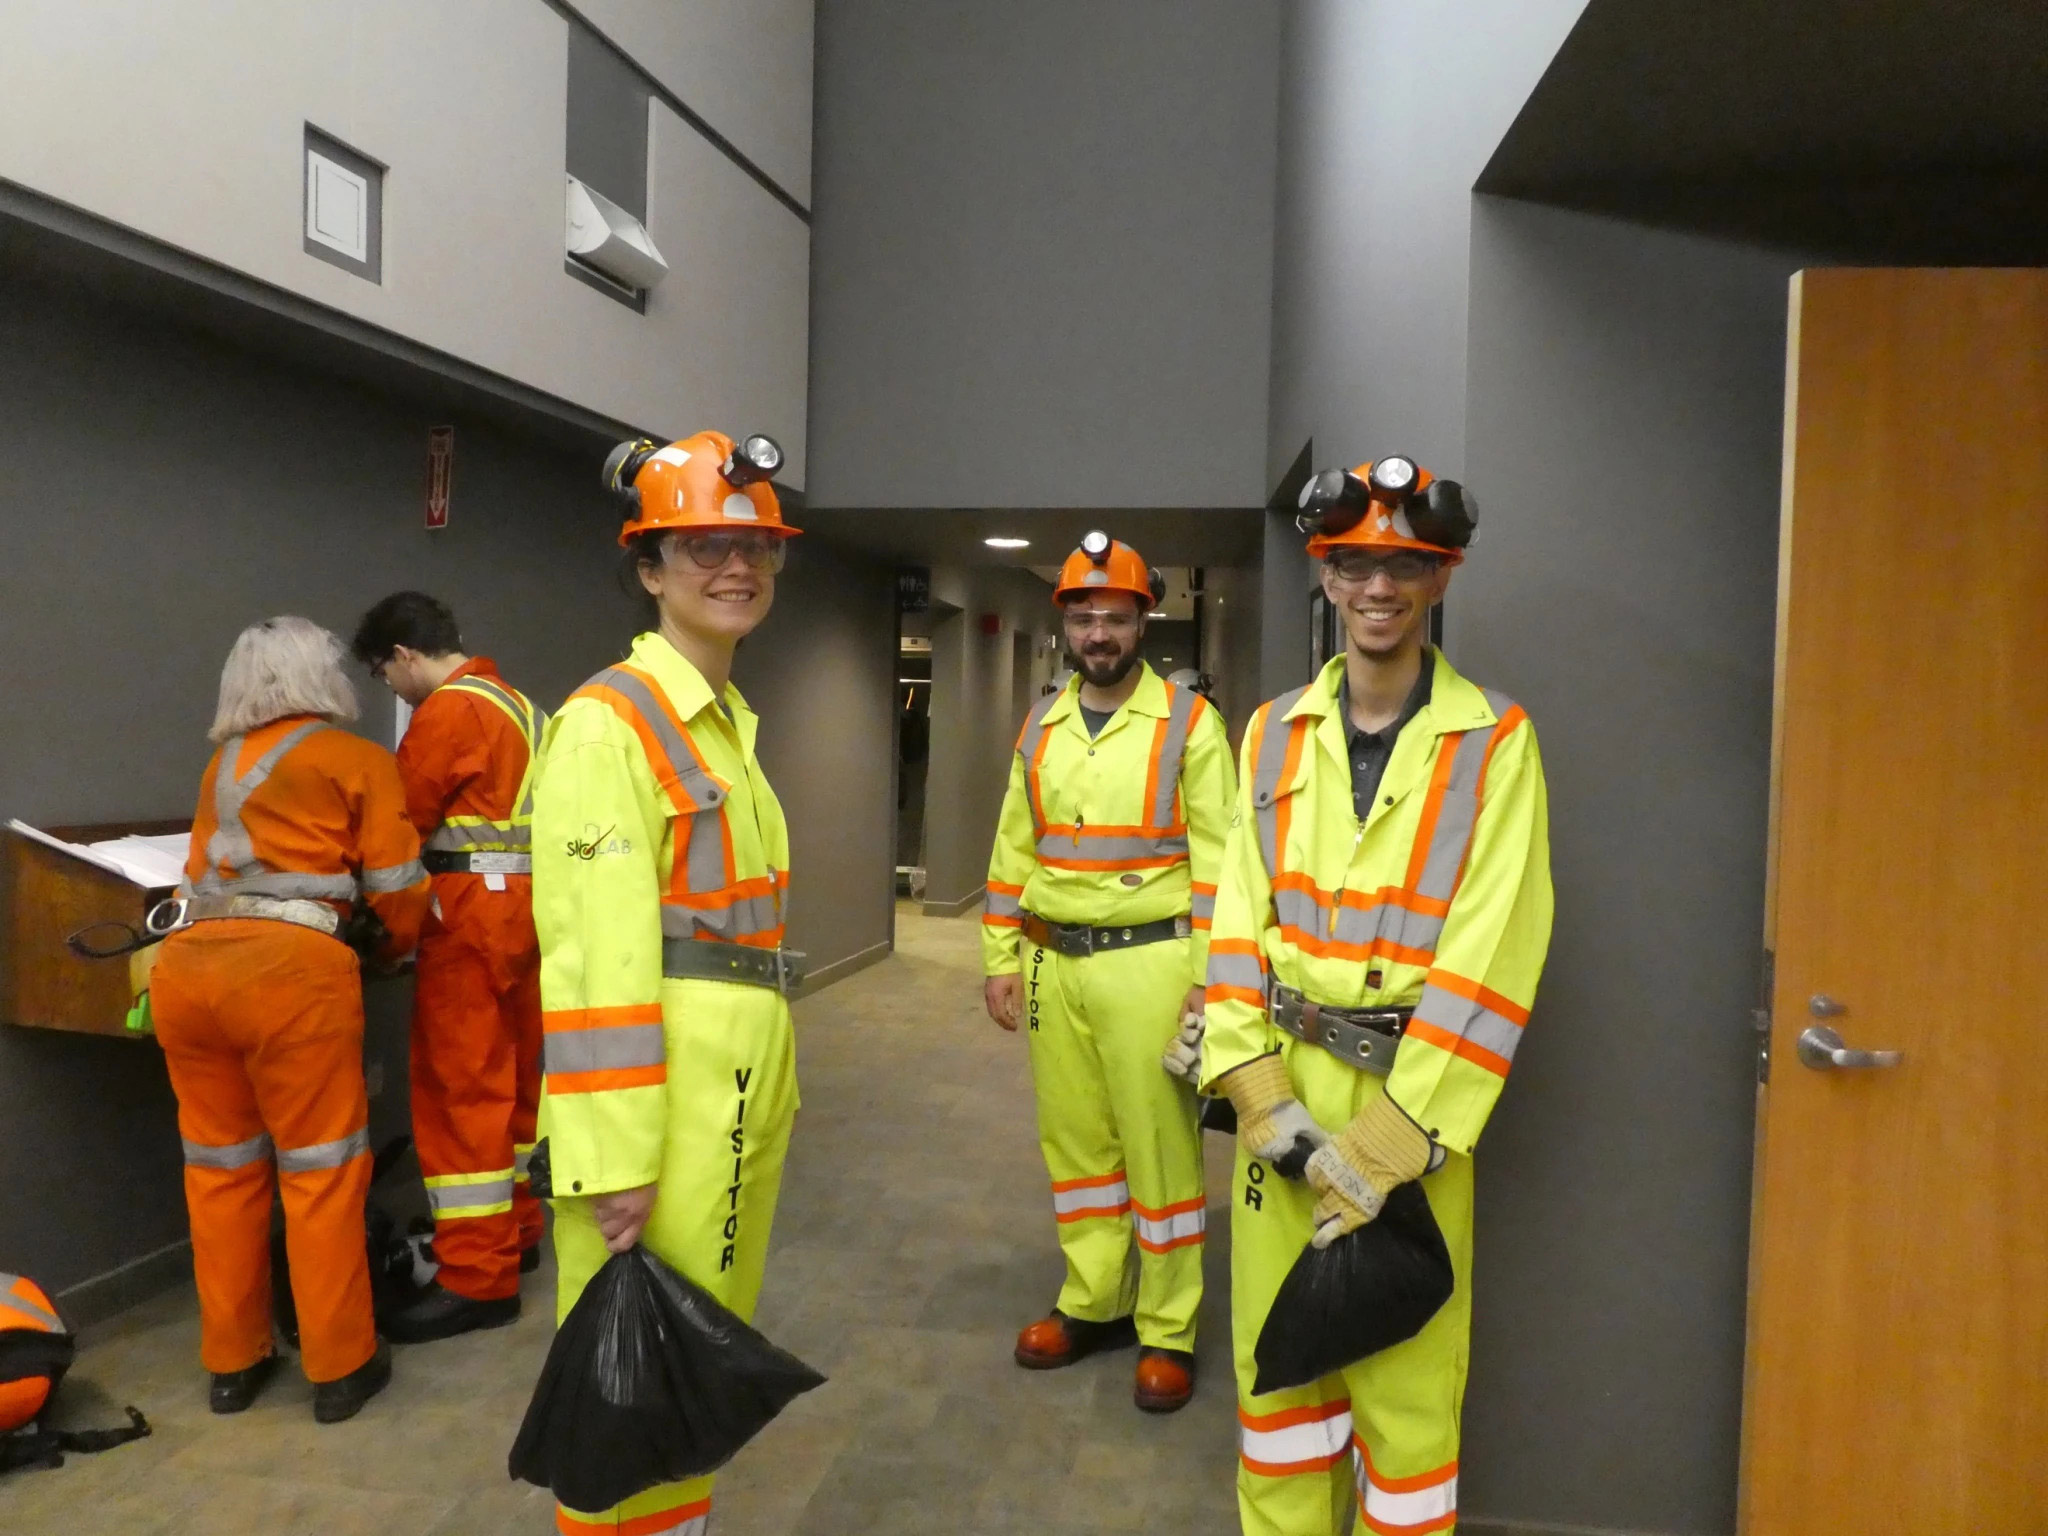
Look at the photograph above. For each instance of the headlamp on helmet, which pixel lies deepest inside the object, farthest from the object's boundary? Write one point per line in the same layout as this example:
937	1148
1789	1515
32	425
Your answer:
1436	512
753	458
1095	544
623	463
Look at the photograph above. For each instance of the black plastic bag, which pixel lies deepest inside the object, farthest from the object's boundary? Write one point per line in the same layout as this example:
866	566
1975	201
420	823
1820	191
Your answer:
650	1380
1372	1288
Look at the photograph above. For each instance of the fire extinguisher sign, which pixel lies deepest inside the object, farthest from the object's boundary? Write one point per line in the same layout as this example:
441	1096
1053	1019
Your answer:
440	474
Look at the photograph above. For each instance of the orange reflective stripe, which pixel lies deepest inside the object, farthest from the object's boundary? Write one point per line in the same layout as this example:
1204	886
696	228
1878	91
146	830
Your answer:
662	1522
601	1018
1432	808
1294	1440
607	1079
1457	1045
1153	763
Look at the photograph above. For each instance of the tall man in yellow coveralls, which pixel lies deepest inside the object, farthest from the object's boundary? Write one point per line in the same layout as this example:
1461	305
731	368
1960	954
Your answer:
1381	923
1095	937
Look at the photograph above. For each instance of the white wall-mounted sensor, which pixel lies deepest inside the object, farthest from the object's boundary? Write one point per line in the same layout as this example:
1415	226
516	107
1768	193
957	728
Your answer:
603	235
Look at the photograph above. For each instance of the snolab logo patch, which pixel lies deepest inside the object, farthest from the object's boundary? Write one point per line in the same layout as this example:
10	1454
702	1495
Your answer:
597	842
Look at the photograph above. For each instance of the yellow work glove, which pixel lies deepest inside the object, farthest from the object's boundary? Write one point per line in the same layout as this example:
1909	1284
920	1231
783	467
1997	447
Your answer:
1271	1122
1183	1058
1359	1167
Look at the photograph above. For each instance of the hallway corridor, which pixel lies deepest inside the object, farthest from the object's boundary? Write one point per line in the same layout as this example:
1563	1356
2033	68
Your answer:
915	1237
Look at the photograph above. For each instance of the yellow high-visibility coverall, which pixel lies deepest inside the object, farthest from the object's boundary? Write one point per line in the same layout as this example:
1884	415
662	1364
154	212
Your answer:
1439	899
651	818
1126	828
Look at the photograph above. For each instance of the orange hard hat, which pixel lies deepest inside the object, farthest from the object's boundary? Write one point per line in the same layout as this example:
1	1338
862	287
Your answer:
1389	503
705	481
1103	564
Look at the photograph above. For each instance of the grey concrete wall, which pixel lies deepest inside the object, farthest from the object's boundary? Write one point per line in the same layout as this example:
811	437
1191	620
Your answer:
1230	641
1613	396
159	490
1043	253
973	725
1626	392
183	120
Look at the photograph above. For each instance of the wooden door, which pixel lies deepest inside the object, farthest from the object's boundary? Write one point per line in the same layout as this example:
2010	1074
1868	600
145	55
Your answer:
1898	1332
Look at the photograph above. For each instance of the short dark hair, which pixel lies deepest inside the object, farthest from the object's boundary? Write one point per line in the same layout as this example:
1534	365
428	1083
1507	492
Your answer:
411	619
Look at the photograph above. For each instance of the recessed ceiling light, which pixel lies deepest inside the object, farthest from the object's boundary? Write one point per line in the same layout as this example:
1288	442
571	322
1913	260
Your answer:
1007	543
1156	613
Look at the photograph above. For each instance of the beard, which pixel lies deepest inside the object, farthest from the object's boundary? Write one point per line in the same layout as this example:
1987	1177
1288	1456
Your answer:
1104	669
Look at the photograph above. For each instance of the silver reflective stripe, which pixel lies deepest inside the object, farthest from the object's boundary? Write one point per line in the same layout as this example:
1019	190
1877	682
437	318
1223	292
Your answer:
287	886
1179	716
29	1308
477	835
1232	970
704	859
703	791
1456	816
255	1150
327	1154
1468	1020
1027	746
600	1050
1201	906
1385	920
1003	904
746	914
1096	847
1294	908
394	877
457	1197
1266	777
230	844
522	1157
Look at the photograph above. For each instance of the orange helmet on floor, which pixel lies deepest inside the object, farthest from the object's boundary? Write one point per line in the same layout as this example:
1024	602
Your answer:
1390	503
705	481
1103	564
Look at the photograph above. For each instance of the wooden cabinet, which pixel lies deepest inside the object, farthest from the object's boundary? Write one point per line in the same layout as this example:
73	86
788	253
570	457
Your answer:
46	895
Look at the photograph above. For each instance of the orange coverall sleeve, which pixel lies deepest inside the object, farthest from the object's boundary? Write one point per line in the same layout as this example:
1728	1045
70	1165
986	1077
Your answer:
444	750
395	884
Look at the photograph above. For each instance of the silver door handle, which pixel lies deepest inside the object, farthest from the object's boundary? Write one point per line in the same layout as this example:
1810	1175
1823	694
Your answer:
1821	1048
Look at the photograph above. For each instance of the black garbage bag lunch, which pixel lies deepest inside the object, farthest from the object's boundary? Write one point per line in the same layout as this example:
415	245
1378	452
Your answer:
650	1380
1371	1288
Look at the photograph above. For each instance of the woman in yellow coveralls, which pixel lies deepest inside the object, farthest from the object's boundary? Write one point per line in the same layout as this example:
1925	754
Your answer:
660	873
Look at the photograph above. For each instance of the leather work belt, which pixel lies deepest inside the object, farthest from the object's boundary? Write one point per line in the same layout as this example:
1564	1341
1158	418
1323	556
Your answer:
439	863
779	970
167	917
1358	1037
1083	940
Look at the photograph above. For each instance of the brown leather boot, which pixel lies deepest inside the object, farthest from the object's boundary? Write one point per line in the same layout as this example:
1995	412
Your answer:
1059	1340
1166	1379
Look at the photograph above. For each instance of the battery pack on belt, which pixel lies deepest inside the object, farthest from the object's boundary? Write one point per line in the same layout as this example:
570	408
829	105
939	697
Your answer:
779	970
1080	939
439	863
1359	1037
167	917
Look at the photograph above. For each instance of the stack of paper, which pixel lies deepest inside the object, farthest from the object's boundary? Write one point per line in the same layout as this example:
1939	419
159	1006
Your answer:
150	862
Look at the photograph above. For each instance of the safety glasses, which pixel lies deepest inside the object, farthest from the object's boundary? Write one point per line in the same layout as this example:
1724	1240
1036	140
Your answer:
710	551
1355	567
1081	621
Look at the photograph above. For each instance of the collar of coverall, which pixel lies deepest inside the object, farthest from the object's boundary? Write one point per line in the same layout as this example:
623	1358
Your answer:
1454	704
476	666
1149	699
686	688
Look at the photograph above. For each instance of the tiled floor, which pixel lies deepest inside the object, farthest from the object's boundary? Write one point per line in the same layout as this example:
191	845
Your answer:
915	1236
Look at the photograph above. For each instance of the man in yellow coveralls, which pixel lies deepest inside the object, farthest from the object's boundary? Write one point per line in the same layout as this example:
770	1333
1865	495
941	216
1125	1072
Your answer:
1381	923
1095	936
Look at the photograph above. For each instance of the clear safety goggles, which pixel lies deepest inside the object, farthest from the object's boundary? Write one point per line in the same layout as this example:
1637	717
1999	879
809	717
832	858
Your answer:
1355	567
710	551
1082	621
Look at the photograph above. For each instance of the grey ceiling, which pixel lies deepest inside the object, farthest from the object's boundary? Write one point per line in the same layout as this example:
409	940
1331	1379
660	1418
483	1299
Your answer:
1909	130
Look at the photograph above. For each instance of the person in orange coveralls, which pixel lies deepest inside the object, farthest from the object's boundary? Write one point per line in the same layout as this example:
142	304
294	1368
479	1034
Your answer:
259	1008
466	762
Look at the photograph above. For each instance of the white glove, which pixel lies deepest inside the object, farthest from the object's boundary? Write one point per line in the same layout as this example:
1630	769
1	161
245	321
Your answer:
1183	1058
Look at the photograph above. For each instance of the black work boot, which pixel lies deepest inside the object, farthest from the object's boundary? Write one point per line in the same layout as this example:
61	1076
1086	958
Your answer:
529	1259
438	1313
334	1401
232	1391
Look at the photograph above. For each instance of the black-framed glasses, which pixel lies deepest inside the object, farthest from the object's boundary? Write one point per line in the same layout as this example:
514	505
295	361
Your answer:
710	551
1358	566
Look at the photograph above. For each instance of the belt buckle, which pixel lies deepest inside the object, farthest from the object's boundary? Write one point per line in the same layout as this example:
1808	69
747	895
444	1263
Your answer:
1077	941
790	968
495	863
179	906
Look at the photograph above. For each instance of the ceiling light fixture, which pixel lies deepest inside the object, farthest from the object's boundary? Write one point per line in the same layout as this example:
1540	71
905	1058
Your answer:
1002	542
